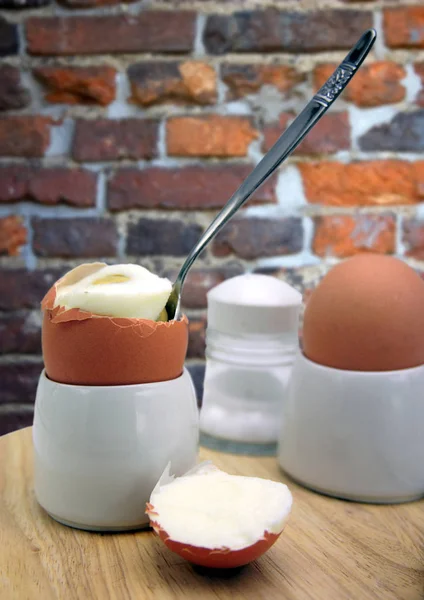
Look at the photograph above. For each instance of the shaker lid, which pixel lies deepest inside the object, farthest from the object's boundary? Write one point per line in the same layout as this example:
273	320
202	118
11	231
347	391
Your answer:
254	303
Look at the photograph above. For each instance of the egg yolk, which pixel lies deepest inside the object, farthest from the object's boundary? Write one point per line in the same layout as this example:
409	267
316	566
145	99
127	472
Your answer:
116	278
163	316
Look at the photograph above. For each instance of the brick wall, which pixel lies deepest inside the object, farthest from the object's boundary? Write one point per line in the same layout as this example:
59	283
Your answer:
124	127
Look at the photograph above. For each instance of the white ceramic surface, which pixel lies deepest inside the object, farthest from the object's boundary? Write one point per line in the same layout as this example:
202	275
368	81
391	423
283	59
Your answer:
355	435
99	451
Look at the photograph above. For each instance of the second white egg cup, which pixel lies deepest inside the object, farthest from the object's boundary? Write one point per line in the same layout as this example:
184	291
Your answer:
355	435
100	450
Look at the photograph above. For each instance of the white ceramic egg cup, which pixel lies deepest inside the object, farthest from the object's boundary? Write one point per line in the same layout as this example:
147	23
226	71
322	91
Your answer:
100	450
355	435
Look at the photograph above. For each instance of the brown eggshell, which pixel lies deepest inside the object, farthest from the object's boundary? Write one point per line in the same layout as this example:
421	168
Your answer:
367	314
81	348
217	558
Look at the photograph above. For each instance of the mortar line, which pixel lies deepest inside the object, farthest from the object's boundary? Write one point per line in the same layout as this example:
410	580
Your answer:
28	252
101	204
380	49
198	45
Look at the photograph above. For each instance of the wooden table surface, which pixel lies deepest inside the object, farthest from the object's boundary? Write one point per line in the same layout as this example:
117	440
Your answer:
330	550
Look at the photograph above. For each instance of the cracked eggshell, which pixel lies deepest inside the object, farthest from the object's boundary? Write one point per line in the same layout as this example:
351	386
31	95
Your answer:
81	348
220	556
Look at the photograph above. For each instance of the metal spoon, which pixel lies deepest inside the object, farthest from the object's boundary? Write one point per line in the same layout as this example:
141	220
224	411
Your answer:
283	147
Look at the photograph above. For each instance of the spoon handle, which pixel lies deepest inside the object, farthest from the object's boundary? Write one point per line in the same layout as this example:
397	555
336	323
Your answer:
284	146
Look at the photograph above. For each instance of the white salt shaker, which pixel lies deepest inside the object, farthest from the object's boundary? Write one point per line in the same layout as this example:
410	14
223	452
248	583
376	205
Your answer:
251	342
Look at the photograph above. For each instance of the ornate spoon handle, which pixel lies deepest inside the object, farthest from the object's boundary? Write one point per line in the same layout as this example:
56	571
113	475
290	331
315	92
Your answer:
284	146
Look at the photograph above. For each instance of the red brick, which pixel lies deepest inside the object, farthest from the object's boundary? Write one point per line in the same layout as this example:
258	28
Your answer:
83	237
78	85
200	281
373	183
25	289
419	70
20	333
16	417
404	26
373	85
162	237
413	238
23	4
244	79
9	43
27	136
303	279
151	31
13	235
12	94
343	235
274	31
51	186
252	238
330	134
196	339
404	133
19	381
185	188
177	82
272	131
104	139
418	176
211	135
93	3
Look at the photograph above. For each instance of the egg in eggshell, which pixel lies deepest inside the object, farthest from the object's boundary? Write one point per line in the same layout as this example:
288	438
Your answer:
367	314
90	335
217	520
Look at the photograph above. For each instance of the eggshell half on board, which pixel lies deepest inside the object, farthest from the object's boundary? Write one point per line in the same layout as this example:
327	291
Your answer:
81	348
218	520
218	558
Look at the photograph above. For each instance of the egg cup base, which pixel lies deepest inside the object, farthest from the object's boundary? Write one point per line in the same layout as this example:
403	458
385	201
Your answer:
98	529
353	497
355	435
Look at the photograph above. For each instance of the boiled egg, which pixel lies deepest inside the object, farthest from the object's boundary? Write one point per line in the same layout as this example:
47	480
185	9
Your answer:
107	325
367	314
218	520
117	290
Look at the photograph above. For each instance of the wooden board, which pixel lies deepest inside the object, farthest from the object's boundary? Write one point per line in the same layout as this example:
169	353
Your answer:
330	550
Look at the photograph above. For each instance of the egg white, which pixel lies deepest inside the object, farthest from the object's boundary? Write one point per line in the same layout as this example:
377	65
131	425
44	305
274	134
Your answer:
208	508
140	294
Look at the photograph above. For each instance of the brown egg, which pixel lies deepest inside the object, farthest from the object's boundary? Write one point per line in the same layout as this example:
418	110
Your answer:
367	314
82	348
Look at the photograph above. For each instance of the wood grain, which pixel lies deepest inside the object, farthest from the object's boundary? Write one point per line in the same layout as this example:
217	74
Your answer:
330	550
